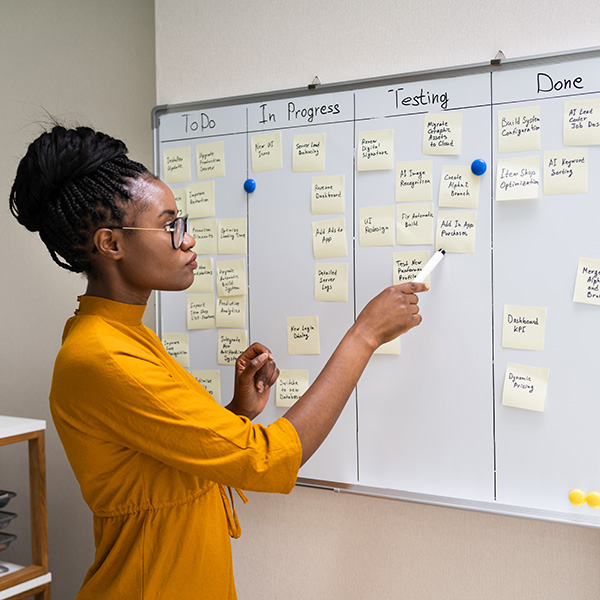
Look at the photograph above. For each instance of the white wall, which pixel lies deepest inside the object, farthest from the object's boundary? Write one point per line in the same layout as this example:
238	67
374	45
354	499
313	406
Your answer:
316	544
87	62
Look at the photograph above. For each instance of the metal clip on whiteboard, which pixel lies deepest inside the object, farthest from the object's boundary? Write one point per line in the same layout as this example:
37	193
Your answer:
498	58
315	82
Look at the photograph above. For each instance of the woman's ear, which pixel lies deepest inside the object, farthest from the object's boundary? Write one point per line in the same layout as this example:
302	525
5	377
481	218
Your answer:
107	243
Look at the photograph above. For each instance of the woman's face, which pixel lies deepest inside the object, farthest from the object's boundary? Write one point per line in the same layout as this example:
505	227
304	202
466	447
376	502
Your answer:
149	261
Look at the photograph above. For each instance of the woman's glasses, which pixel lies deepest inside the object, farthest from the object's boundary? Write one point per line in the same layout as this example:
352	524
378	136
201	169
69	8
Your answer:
177	229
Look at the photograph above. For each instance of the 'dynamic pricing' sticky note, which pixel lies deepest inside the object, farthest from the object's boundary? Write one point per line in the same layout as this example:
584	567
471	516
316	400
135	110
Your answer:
266	152
414	224
291	384
331	282
181	200
329	238
442	133
308	152
303	335
176	165
587	281
178	346
211	381
210	160
566	171
376	226
232	342
456	231
525	387
375	150
524	327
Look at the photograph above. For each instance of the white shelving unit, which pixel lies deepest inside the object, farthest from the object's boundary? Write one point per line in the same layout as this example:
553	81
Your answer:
23	581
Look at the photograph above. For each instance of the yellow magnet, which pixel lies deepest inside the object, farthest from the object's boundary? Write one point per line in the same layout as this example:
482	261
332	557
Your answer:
593	500
577	497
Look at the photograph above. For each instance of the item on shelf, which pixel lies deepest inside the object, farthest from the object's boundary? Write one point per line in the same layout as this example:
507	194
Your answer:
6	518
5	497
3	569
6	539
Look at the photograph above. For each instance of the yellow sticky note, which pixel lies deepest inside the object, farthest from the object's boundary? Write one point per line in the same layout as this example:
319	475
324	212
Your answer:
331	282
523	327
518	178
519	129
211	381
376	226
201	199
587	281
291	384
414	181
231	278
308	152
231	312
414	224
581	123
232	342
459	187
203	275
442	133
375	150
178	346
201	311
232	236
204	231
566	171
266	152
392	347
525	387
180	200
329	238
407	265
303	335
210	160
327	195
456	231
176	165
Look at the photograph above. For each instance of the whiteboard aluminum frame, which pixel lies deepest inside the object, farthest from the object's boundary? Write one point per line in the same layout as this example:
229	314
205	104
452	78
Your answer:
582	519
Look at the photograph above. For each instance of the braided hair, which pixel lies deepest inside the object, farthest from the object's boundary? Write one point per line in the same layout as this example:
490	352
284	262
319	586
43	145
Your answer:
70	183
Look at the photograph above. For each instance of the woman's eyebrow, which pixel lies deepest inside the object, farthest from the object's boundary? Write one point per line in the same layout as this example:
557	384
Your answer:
166	212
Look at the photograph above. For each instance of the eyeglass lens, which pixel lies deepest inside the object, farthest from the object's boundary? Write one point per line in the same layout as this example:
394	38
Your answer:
179	231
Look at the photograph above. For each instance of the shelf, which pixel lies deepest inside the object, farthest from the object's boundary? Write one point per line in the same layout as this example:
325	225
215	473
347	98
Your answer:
26	586
25	581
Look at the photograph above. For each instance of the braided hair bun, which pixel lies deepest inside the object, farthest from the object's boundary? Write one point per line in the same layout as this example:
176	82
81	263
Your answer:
70	183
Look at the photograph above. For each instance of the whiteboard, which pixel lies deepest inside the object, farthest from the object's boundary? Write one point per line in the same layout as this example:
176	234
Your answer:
428	424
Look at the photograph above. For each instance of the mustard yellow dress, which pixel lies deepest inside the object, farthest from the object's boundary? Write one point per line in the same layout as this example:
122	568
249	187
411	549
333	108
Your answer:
153	452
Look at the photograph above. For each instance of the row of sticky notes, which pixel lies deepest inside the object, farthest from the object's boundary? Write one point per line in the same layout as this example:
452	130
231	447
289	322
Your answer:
519	129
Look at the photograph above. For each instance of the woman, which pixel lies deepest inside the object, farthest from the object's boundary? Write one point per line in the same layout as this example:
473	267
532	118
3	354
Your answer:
150	448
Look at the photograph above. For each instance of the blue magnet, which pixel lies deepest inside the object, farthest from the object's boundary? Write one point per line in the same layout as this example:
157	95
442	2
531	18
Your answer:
250	185
478	167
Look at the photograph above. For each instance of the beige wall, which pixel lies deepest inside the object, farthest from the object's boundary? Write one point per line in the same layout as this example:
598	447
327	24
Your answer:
316	544
88	62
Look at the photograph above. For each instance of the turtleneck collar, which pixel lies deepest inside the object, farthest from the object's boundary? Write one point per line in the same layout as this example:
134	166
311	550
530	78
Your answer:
128	314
